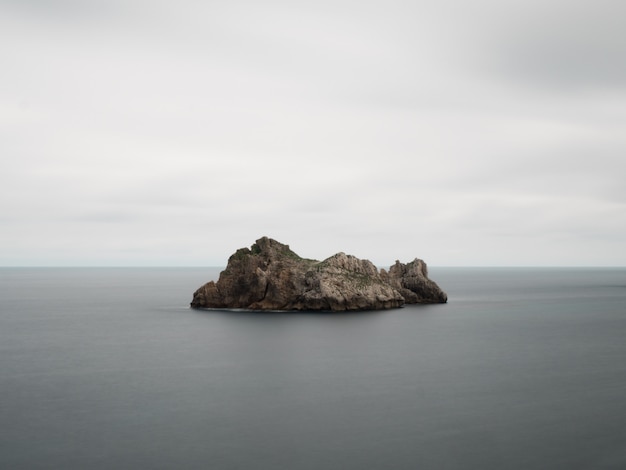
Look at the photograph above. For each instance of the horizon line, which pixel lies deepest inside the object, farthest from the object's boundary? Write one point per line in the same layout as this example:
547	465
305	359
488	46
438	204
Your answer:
379	267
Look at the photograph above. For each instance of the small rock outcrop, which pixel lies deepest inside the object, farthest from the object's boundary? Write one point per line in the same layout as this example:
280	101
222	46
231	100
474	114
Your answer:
269	276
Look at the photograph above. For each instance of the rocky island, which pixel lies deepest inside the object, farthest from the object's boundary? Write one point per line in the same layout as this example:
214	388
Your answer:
269	276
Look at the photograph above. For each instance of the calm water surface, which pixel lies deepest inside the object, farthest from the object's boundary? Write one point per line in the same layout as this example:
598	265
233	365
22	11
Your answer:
107	368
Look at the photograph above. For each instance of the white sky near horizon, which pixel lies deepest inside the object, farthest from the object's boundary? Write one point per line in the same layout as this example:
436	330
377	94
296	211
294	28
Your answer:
172	133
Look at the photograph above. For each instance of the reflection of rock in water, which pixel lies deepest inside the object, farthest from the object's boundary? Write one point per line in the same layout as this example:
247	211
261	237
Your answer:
269	276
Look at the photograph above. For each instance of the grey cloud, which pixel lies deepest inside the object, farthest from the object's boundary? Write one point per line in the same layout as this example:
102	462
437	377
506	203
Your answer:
390	130
563	46
103	218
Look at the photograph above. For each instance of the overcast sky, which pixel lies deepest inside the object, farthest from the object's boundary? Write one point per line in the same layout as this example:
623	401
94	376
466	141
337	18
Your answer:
489	132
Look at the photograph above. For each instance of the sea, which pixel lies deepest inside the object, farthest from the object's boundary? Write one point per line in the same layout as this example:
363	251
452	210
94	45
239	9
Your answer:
108	368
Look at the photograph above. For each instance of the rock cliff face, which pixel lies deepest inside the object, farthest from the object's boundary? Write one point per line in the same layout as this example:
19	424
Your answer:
269	276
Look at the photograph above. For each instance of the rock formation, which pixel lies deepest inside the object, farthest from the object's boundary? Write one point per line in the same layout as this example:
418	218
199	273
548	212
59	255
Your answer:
269	276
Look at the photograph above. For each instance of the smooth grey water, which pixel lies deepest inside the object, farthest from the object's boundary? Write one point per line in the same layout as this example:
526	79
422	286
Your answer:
107	368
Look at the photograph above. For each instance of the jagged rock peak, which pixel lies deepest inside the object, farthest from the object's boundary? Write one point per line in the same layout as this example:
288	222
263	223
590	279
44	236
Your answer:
270	276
